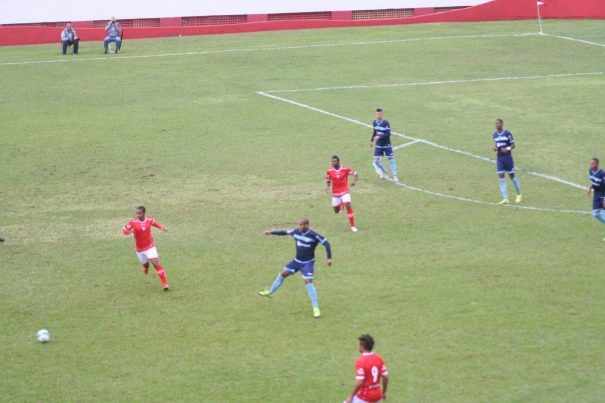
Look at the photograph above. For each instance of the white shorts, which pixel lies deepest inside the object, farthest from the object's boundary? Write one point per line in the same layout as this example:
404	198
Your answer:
337	201
151	253
358	400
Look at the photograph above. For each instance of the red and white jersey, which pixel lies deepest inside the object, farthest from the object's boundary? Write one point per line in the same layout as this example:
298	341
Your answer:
370	369
339	178
142	232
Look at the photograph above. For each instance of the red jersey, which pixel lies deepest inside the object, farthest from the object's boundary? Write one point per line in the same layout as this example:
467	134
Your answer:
370	369
339	178
142	232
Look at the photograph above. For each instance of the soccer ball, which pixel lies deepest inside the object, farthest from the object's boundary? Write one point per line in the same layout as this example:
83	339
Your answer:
43	336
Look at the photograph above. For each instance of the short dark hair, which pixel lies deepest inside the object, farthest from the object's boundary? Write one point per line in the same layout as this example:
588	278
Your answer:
499	120
335	157
366	341
595	159
305	221
379	110
142	208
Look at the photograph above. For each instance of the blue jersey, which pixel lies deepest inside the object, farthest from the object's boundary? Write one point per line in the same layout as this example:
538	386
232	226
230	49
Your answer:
597	179
306	242
382	128
503	139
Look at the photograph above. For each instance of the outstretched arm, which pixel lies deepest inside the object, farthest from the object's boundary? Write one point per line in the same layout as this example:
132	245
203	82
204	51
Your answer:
281	232
160	226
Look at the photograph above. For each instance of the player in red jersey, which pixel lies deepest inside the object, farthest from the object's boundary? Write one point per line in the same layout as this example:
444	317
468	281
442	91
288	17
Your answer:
369	371
146	251
337	177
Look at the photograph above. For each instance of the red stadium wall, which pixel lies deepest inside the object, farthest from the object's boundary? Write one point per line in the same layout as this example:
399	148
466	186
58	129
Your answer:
495	10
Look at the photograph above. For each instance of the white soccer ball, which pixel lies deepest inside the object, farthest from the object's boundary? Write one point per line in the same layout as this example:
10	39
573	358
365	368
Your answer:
43	336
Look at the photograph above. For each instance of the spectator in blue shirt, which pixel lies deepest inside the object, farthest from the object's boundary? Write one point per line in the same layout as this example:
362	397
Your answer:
69	38
114	34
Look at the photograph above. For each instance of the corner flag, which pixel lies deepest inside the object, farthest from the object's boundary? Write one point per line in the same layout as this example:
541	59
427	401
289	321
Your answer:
538	4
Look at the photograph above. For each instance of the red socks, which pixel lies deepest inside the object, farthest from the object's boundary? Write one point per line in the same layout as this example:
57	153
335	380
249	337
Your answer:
351	216
160	270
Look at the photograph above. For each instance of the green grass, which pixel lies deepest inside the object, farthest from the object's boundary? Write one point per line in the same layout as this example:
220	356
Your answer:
467	302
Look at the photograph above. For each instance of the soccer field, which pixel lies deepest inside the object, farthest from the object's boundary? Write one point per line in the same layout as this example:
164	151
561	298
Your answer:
223	137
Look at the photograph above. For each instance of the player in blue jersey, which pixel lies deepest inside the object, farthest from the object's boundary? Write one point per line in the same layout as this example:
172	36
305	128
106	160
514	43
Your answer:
381	141
306	242
597	188
504	143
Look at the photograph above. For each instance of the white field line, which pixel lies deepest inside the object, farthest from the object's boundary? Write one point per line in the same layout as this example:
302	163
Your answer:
568	38
446	82
416	139
475	201
68	59
400	146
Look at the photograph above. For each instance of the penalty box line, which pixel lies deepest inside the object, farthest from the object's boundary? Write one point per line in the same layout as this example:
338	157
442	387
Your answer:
416	140
444	82
475	201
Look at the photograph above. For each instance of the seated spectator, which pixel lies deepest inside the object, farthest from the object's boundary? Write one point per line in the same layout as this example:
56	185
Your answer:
114	34
69	38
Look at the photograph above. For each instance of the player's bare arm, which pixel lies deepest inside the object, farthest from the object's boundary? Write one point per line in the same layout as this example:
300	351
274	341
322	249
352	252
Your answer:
328	185
385	385
161	227
358	385
355	177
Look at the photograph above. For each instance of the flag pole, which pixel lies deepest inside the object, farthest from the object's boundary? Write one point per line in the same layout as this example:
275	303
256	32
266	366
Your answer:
538	4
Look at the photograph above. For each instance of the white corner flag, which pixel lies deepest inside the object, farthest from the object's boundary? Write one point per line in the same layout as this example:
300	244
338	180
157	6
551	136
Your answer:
538	4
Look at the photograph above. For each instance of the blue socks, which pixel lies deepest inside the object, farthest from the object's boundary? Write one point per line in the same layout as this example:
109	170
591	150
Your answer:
279	280
503	190
393	166
380	170
517	185
598	214
312	294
